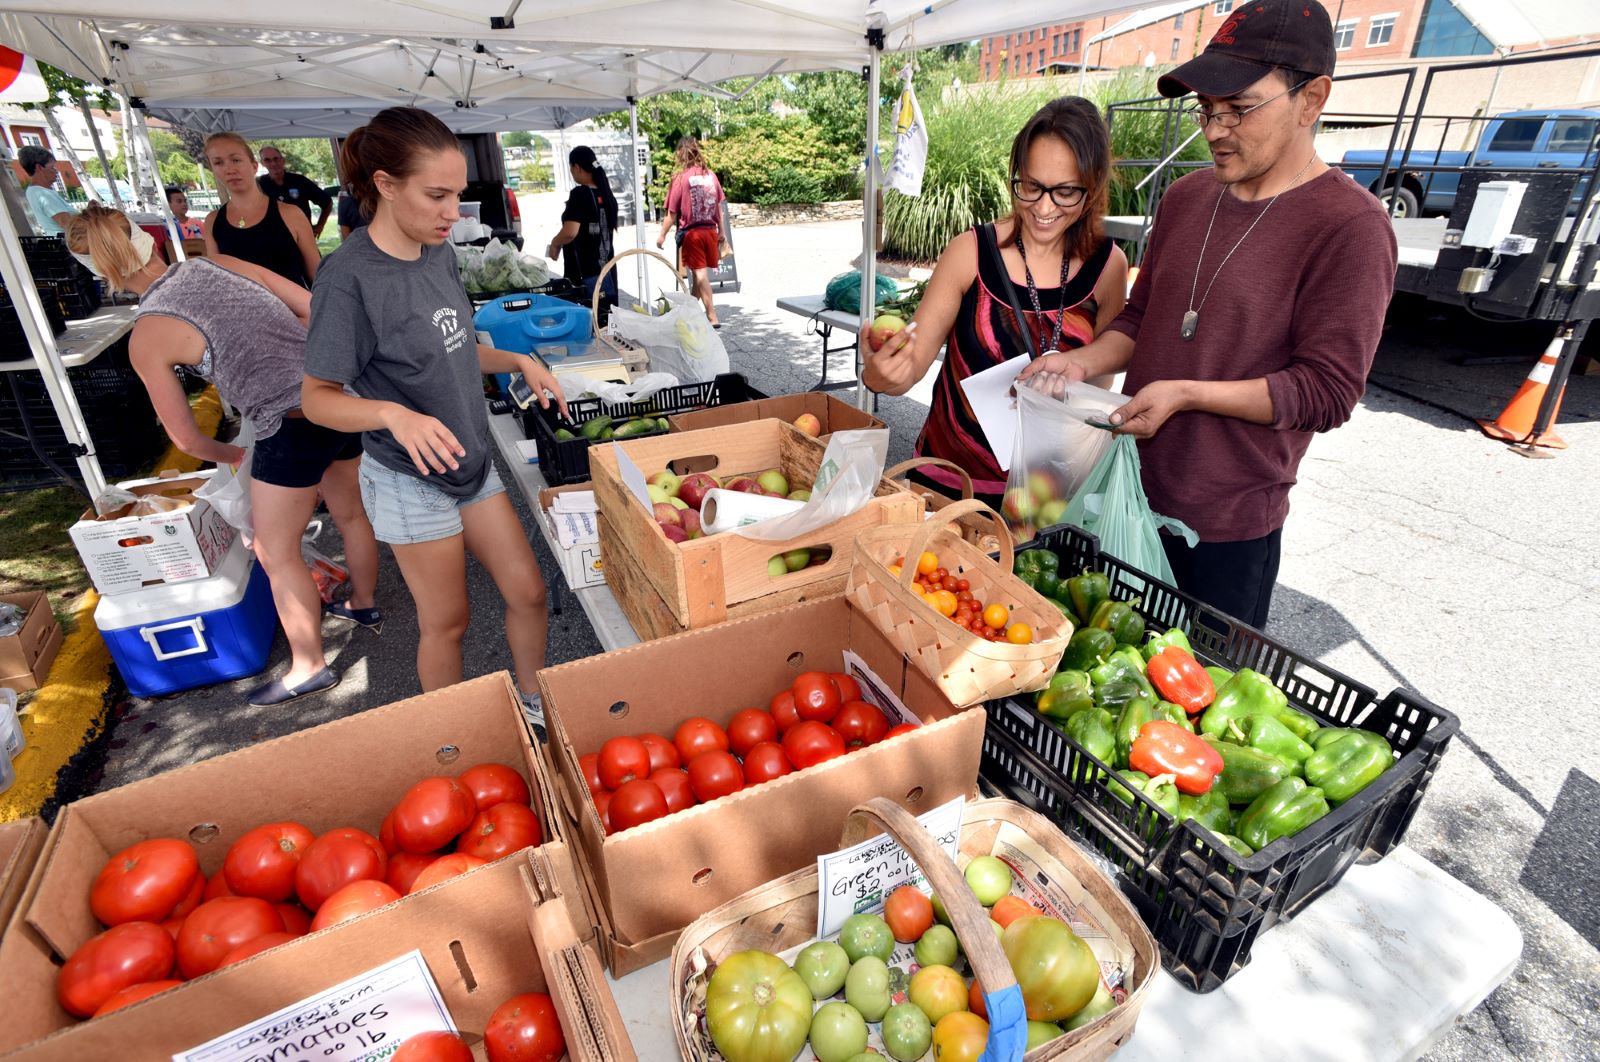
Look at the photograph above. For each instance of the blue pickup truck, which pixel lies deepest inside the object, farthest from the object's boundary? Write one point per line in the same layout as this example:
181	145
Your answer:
1562	138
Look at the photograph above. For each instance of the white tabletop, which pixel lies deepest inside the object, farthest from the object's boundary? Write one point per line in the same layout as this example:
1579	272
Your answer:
84	340
814	306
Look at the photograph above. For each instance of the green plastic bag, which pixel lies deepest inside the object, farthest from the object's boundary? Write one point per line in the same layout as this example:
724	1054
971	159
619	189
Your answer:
844	291
1111	505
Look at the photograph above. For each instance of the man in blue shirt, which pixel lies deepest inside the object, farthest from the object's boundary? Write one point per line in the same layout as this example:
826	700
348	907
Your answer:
50	212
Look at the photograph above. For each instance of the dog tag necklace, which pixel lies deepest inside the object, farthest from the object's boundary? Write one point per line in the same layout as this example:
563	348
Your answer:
1191	317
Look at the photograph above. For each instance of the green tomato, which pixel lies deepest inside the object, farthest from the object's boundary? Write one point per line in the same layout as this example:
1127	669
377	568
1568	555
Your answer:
1055	969
866	934
937	947
757	1009
1042	1032
907	1033
868	1055
822	966
866	988
989	879
837	1033
940	915
1102	1003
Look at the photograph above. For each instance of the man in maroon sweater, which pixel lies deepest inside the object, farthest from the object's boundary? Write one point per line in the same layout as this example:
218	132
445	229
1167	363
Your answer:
1253	322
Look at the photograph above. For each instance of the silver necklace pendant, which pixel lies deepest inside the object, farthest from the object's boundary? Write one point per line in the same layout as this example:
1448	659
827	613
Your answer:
1191	323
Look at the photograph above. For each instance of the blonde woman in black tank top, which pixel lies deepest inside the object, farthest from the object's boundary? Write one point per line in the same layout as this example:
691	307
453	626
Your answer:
252	226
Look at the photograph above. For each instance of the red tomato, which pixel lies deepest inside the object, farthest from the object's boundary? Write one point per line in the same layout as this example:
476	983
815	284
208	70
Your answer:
218	926
602	806
849	689
503	829
172	925
431	813
674	785
197	892
816	697
144	882
444	868
860	724
433	1047
217	888
663	753
525	1028
404	868
748	728
356	898
784	712
495	783
765	762
909	913
590	766
263	861
637	801
122	956
386	834
810	743
133	994
296	919
896	731
699	735
1008	909
333	861
622	759
715	774
975	1000
256	947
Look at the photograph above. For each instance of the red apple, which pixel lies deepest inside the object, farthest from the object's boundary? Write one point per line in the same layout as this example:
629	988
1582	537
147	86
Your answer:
691	523
884	326
668	515
808	423
744	484
693	489
674	533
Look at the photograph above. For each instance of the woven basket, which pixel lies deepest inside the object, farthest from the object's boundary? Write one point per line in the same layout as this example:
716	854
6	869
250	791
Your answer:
967	668
974	529
782	915
634	357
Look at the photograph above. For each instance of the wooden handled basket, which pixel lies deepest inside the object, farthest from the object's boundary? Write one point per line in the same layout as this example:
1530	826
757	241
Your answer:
634	357
974	529
782	915
967	668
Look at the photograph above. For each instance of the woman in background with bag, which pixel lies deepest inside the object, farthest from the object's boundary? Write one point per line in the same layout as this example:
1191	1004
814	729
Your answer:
587	223
694	204
243	328
990	298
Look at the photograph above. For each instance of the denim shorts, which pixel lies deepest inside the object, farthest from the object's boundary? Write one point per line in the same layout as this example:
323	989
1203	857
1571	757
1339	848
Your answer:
406	509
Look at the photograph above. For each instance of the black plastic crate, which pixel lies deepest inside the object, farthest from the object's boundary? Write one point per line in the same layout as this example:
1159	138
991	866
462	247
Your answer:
13	340
1204	903
567	460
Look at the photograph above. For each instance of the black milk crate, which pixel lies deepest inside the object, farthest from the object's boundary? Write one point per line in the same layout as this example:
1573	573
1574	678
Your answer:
567	460
1204	903
13	340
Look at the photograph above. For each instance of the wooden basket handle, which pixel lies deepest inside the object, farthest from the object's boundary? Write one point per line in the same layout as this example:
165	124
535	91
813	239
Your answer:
1008	1031
945	517
921	462
594	307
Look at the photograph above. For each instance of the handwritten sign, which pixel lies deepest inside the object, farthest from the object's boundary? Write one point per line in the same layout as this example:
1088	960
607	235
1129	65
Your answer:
633	479
876	692
362	1020
858	879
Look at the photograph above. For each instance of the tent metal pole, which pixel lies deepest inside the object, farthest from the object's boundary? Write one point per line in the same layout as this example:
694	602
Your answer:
59	135
100	152
638	192
173	235
129	153
869	220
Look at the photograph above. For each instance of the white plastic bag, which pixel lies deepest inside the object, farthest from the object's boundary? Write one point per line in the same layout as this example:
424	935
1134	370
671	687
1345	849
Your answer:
680	341
642	387
1056	448
851	467
910	143
228	489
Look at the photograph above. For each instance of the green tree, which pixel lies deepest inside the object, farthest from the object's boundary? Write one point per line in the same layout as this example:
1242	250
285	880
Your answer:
310	156
66	90
520	138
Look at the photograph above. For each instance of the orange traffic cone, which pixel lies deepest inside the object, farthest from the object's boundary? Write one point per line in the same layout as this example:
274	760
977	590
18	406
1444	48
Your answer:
1515	422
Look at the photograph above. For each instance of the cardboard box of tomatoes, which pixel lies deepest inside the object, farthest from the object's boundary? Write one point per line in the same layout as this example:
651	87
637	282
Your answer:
655	877
20	843
347	773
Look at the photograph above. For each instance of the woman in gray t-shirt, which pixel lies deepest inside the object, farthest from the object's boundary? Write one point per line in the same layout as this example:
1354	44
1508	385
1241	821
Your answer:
392	353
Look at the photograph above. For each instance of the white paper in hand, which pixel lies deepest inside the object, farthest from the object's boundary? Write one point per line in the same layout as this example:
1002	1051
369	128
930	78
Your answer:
989	395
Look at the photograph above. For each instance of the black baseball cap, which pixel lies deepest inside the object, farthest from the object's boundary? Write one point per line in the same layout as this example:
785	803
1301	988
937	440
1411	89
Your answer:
1255	39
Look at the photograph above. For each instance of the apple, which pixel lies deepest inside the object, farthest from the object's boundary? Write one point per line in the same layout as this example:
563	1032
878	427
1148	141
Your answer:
1052	513
744	484
796	559
667	516
656	493
800	495
694	487
819	556
774	482
678	504
776	567
691	523
674	533
808	423
884	326
1043	487
667	481
1019	506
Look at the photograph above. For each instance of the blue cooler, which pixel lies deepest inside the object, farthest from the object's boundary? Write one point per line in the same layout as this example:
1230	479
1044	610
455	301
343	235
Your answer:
520	323
196	633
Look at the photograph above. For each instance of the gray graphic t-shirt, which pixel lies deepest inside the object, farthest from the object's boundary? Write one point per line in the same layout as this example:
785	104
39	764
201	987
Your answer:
399	331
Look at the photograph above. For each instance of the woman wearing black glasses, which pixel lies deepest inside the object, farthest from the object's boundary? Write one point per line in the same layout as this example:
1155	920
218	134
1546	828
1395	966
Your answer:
1049	256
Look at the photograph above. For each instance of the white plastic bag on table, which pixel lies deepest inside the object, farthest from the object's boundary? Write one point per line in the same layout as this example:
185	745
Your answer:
642	387
848	477
1055	450
680	341
228	489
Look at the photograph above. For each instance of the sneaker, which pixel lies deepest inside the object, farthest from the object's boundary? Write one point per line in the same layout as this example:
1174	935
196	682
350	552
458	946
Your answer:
275	692
370	618
533	714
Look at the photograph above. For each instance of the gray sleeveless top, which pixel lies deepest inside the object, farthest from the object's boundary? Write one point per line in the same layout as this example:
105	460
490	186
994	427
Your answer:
255	345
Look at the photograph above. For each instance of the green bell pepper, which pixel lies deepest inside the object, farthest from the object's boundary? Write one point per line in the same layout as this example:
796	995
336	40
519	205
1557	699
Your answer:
1159	642
1281	811
1159	789
1328	735
1091	728
1130	720
1068	694
1172	714
1048	583
1046	561
1087	649
1246	773
1219	675
1210	810
1119	617
1343	768
1265	733
1237	845
1113	696
1026	561
1029	577
1064	609
1123	665
1085	592
1247	693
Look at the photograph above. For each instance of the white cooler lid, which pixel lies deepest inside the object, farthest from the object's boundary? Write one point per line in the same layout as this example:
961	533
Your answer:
153	604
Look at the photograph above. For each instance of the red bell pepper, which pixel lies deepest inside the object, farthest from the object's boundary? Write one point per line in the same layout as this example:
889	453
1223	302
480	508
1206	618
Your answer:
1164	747
1179	678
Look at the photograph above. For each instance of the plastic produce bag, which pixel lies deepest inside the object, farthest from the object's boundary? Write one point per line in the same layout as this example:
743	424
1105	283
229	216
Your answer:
1112	506
910	143
1055	449
228	489
642	388
851	467
844	291
680	341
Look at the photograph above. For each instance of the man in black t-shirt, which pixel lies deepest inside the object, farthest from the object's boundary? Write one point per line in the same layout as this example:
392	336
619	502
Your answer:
294	188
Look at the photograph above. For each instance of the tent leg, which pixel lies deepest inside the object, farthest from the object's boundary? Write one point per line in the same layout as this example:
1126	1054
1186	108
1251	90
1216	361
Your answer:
60	137
148	151
639	172
869	221
100	153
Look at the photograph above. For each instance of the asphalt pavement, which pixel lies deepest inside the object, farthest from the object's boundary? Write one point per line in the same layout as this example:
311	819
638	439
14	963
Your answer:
1418	554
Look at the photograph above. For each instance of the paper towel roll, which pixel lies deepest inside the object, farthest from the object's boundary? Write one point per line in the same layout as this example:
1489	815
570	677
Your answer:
724	510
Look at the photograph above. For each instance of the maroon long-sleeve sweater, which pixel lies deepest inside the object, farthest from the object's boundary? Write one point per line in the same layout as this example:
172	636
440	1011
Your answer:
1300	303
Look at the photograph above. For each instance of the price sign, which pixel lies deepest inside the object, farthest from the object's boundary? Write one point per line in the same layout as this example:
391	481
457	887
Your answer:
859	879
362	1020
633	479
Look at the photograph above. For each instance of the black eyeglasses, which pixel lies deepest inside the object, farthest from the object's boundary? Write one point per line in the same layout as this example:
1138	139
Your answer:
1231	119
1062	195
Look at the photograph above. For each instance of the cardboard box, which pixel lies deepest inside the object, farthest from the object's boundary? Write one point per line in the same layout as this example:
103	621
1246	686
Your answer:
485	936
651	881
833	413
581	564
130	552
712	579
345	773
25	657
20	843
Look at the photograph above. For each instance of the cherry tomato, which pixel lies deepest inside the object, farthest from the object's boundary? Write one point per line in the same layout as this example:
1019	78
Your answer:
622	759
262	862
218	926
525	1028
963	585
674	785
816	697
927	563
602	807
436	1046
663	753
1019	634
133	994
296	919
590	766
123	956
783	710
404	868
765	762
431	814
501	830
909	913
996	615
699	735
715	774
264	942
356	898
860	724
144	882
444	868
495	783
333	861
849	688
748	728
640	800
810	743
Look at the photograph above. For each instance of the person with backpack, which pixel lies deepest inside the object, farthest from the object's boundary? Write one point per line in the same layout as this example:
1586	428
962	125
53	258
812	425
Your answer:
587	223
694	204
